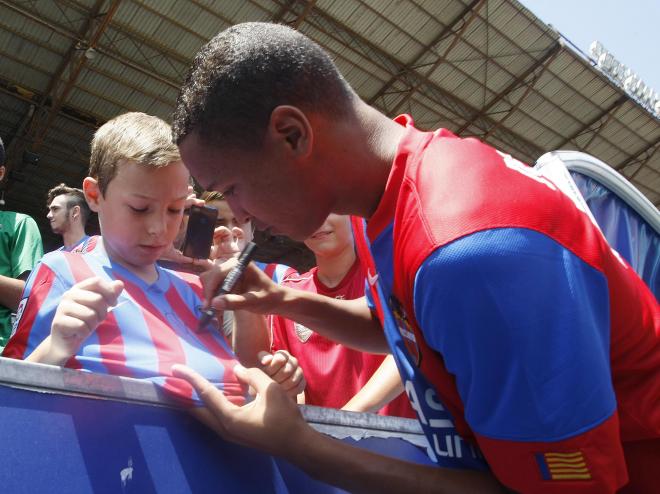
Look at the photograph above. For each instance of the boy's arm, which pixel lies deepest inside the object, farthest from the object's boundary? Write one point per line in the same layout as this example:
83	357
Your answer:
251	344
349	322
79	312
249	337
273	423
383	386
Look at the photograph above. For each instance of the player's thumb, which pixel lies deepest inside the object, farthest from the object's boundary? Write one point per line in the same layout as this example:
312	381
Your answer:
210	395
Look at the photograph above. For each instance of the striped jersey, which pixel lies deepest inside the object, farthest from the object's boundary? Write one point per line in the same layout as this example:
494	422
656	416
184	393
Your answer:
152	327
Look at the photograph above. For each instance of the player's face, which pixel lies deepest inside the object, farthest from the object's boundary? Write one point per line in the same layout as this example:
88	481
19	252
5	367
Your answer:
58	216
261	186
141	212
333	237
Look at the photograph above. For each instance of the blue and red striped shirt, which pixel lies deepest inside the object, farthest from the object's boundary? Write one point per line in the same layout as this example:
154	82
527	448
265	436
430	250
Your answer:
152	327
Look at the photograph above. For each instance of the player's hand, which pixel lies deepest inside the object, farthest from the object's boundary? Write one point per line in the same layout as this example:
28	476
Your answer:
271	422
285	370
82	308
254	291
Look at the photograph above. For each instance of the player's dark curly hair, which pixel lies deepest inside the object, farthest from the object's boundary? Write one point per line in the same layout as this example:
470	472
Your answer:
244	72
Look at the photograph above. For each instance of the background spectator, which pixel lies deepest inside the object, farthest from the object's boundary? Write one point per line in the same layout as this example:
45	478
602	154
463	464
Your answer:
20	249
68	213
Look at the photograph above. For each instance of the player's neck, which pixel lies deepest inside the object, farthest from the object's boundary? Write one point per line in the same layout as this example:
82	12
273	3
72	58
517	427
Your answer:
332	269
369	146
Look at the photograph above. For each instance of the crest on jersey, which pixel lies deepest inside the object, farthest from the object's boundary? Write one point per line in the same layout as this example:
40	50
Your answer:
302	332
406	331
17	318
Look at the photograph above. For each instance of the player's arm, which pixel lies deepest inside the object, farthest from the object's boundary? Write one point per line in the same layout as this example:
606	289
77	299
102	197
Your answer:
383	386
273	423
523	325
349	322
249	337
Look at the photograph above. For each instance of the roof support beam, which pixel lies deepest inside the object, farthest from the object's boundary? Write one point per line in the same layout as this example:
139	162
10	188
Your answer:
60	88
543	62
446	102
410	65
457	37
107	52
630	159
644	163
52	100
608	112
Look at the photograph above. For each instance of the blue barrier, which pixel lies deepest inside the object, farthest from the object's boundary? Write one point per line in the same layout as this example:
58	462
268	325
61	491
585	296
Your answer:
67	431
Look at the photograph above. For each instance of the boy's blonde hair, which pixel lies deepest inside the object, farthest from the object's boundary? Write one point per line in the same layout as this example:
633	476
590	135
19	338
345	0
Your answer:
134	136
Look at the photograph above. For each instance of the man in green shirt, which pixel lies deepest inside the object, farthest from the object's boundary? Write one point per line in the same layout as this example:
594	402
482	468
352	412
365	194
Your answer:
20	249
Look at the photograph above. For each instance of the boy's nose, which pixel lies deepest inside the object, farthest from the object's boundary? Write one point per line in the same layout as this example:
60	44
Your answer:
157	225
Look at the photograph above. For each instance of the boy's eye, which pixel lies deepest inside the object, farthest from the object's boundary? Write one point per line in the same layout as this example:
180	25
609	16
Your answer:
138	210
175	210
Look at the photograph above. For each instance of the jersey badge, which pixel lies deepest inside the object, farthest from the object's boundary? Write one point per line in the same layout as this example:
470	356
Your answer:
406	331
563	466
303	333
17	318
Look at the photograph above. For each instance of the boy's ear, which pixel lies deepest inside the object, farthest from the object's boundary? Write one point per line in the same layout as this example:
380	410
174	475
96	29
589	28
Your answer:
290	128
92	193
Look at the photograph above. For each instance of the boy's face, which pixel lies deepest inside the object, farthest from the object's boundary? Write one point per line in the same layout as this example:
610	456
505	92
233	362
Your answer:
141	211
332	238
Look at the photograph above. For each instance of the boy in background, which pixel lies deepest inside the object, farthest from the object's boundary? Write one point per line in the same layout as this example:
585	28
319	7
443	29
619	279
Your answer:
20	250
336	374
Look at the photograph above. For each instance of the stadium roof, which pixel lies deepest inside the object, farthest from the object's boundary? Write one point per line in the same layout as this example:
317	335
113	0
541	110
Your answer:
487	68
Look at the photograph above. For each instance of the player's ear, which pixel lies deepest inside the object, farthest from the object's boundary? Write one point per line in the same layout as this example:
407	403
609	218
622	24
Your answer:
290	129
92	193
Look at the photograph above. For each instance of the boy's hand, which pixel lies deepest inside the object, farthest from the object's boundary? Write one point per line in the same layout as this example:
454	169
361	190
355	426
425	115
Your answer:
224	246
82	308
283	368
254	291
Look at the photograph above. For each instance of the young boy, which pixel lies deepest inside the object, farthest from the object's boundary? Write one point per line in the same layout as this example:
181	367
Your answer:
336	374
112	309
